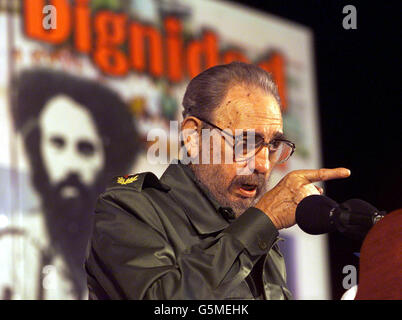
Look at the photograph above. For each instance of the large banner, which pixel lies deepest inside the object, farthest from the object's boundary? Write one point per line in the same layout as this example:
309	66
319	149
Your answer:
82	83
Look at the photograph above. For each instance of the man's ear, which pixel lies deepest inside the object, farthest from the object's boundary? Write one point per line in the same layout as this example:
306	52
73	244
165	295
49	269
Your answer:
190	131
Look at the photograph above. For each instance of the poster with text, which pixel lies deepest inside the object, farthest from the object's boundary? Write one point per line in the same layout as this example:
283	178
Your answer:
82	85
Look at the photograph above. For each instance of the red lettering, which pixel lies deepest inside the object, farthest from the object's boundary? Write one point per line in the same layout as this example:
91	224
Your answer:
202	55
174	49
276	65
110	32
138	34
147	52
82	15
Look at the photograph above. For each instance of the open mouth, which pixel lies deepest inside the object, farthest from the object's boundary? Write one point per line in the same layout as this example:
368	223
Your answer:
248	190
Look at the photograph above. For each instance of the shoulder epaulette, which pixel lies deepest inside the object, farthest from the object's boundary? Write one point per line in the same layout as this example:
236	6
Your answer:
138	182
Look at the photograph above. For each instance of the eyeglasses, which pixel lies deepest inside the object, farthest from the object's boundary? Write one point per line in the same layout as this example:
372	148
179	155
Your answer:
248	144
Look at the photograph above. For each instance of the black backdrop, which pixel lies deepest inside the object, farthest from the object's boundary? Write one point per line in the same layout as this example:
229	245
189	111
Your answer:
358	79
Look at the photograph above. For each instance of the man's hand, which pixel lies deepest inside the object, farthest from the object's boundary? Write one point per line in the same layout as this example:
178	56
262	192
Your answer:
280	203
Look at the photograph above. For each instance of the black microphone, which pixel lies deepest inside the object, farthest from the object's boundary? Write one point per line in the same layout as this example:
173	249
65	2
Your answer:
318	214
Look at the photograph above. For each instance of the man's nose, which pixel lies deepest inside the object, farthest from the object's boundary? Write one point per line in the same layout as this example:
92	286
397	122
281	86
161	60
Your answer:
73	163
261	159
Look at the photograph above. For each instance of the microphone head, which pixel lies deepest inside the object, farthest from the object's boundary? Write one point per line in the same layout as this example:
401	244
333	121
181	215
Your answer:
363	216
358	206
313	214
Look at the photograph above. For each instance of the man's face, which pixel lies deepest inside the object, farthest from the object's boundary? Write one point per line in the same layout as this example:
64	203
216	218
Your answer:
243	108
71	149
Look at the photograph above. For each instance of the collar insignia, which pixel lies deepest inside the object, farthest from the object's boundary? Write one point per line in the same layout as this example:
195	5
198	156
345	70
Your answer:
126	180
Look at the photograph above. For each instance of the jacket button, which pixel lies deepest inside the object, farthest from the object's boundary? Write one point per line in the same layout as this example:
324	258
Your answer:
262	244
227	212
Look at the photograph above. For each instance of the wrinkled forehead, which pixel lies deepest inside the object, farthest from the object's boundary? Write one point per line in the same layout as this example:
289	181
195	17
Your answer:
63	116
250	108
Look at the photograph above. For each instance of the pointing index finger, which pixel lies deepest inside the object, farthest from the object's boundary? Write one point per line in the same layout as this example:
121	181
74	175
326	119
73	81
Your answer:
325	174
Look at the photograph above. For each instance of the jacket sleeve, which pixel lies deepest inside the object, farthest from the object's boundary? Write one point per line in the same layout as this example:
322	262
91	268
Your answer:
130	256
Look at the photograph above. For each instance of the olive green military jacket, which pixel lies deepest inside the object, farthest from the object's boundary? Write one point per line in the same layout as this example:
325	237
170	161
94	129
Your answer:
169	239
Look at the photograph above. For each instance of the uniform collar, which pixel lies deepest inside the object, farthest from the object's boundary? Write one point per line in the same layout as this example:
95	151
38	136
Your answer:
204	212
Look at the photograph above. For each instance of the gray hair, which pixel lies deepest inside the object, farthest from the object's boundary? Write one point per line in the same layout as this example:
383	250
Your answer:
206	91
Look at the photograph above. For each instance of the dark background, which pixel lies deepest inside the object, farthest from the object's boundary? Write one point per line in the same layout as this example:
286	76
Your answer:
358	79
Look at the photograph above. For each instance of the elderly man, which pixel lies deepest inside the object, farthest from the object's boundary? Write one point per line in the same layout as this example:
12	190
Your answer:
206	230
